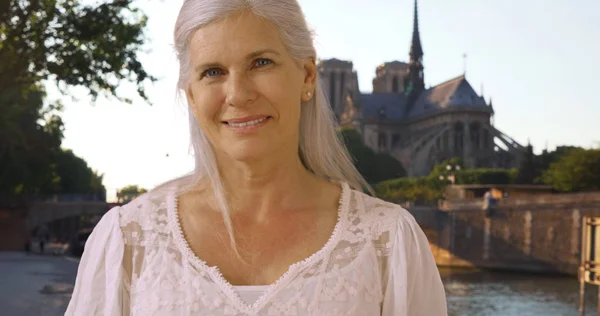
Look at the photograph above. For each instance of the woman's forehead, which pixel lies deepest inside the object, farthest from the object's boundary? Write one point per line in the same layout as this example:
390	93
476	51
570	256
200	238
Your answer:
240	34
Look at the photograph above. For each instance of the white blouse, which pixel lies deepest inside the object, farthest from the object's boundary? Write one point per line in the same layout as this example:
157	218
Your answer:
376	262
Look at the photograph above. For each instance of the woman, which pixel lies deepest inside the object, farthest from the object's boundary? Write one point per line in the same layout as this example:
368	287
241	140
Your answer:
272	221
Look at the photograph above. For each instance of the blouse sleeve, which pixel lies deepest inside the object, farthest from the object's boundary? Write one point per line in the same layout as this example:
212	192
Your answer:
413	286
99	286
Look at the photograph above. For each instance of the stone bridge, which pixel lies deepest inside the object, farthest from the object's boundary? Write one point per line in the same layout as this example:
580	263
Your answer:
62	219
539	233
56	220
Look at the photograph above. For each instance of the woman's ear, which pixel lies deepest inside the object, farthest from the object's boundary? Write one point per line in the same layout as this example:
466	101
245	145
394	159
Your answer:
310	78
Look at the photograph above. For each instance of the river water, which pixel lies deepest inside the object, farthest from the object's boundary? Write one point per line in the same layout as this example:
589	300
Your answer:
483	293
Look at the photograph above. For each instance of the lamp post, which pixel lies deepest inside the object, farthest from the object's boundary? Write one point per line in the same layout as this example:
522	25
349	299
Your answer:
452	169
589	267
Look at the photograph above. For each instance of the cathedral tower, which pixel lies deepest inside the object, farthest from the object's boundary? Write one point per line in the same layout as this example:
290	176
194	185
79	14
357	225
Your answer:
416	79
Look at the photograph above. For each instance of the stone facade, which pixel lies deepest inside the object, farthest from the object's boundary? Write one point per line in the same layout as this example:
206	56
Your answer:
13	229
420	127
538	233
339	78
390	77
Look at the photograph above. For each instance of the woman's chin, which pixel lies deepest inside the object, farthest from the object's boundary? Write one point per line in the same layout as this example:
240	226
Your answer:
250	152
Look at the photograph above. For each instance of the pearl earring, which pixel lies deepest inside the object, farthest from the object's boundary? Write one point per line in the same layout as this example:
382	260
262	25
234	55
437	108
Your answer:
309	94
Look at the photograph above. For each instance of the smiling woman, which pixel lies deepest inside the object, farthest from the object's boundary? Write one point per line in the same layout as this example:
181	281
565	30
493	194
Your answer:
273	220
247	93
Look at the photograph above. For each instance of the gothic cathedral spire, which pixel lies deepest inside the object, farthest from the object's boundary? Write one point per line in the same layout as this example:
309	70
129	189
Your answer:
416	51
416	77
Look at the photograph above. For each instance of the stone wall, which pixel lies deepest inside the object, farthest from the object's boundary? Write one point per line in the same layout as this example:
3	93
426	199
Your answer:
57	220
13	229
540	233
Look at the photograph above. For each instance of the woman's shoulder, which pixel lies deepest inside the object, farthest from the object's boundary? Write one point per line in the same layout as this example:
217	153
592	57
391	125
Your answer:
147	211
391	228
367	205
379	215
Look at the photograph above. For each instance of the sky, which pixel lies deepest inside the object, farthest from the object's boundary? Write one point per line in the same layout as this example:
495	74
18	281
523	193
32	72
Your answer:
538	60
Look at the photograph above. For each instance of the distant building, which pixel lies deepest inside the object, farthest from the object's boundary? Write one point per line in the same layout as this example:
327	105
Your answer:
419	126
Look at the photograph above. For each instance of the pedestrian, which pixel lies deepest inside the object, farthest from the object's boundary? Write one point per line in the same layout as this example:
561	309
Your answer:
27	246
488	203
42	243
273	220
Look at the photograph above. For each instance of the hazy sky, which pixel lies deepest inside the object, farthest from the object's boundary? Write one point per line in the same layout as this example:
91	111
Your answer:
537	59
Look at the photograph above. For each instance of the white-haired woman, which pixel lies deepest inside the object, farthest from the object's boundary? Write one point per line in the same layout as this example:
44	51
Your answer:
273	220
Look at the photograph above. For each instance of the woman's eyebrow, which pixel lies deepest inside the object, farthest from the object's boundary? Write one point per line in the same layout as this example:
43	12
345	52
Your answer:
252	55
262	51
201	67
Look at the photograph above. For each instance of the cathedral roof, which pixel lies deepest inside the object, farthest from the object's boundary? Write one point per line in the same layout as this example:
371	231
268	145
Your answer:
391	106
454	93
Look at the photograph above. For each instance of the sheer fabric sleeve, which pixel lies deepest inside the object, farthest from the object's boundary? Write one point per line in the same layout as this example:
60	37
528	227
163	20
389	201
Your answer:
413	286
99	284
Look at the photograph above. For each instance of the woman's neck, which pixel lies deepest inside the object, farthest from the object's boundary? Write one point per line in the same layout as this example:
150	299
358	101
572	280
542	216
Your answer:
266	186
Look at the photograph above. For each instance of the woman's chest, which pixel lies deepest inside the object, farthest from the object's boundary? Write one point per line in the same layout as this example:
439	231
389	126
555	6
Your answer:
262	252
169	285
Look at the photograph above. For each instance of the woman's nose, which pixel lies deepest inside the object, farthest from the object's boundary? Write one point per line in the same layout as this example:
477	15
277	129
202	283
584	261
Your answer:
241	90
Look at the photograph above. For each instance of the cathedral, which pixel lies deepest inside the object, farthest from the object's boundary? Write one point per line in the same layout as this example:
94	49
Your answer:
419	126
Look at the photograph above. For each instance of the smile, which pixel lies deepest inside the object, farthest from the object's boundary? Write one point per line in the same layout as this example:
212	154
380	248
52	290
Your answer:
249	123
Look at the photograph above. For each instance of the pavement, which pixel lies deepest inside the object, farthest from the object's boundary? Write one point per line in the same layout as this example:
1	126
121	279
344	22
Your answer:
36	284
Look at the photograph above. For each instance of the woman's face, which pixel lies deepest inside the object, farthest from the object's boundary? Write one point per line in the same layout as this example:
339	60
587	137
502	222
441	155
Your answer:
246	89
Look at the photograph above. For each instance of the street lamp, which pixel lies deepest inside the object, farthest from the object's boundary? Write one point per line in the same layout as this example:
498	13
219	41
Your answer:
451	177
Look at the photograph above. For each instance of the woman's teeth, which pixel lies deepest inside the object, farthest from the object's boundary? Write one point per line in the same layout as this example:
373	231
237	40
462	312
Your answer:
247	123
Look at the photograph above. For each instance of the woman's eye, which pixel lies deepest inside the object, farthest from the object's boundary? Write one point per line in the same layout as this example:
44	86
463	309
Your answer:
263	62
211	73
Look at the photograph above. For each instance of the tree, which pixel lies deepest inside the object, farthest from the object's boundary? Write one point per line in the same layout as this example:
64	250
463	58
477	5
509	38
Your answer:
94	47
547	158
528	171
74	45
130	192
31	160
579	170
76	177
30	137
374	167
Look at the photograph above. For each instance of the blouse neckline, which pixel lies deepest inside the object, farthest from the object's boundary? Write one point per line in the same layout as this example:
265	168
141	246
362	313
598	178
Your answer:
271	289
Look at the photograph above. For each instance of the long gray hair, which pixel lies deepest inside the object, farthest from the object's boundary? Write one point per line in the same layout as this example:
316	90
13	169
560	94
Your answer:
320	147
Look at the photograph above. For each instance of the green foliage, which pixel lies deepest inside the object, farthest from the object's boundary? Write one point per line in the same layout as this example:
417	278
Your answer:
30	137
577	170
442	168
547	158
528	171
129	193
417	190
487	176
76	176
431	188
91	46
31	160
533	166
455	166
75	45
567	169
374	167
